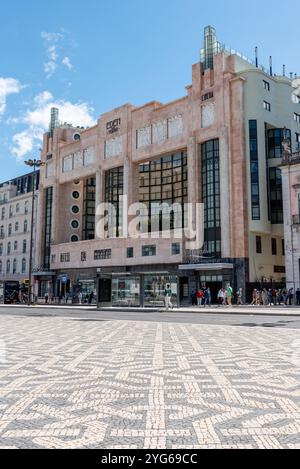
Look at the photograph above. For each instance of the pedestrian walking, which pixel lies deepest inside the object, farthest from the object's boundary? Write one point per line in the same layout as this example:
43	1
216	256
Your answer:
229	295
240	297
298	296
46	298
200	297
291	296
207	297
168	297
221	297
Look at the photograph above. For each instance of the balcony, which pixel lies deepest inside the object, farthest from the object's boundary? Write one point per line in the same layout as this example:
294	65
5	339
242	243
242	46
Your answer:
291	158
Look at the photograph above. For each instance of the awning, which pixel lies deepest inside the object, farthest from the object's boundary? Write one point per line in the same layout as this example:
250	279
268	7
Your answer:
206	267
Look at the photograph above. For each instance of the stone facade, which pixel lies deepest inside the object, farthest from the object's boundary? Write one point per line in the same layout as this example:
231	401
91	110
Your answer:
220	103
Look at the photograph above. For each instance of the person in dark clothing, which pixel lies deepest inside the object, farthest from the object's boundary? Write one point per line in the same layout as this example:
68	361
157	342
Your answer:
298	296
91	297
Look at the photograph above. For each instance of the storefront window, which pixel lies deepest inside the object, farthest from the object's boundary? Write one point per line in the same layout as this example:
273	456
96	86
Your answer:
86	288
126	291
154	289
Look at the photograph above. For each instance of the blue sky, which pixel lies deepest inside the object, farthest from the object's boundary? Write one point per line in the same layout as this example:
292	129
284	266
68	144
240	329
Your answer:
89	57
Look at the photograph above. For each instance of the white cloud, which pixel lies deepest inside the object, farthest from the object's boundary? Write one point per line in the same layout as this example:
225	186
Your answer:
8	86
37	121
52	37
67	62
54	45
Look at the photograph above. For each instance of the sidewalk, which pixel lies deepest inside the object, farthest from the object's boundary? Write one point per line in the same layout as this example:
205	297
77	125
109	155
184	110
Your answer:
238	310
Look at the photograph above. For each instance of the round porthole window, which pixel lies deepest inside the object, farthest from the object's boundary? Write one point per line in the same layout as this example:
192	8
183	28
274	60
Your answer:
75	195
75	224
77	182
74	238
75	209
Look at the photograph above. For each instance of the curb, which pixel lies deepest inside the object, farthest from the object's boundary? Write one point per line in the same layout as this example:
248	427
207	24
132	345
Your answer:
219	312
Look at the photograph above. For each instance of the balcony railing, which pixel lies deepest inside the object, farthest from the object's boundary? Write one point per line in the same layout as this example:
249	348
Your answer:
291	158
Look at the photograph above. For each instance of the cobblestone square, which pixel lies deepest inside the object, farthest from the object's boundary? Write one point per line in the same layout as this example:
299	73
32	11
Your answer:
79	383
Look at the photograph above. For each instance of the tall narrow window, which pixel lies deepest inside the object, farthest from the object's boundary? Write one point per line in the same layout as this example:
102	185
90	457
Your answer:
254	166
114	187
276	203
211	197
258	245
89	205
48	226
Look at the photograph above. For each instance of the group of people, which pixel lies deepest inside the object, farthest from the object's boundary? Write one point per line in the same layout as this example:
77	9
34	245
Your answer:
273	297
202	297
80	298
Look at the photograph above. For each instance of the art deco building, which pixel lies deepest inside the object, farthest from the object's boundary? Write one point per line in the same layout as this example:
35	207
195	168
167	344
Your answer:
219	145
15	227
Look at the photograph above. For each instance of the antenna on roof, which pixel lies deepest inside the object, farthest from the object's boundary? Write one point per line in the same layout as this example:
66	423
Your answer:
256	56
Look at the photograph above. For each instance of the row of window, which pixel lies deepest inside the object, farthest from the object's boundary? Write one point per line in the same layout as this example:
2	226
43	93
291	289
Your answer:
12	267
10	229
259	249
14	210
15	247
105	254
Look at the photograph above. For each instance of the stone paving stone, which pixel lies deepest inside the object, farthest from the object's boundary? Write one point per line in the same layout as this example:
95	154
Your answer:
119	384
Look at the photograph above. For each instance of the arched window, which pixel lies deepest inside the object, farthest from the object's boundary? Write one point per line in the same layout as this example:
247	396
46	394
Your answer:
1	249
24	246
8	248
17	208
15	266
2	231
8	266
23	266
9	229
26	208
15	245
0	267
16	226
25	226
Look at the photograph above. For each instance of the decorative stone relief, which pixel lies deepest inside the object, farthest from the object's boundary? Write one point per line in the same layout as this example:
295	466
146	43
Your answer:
144	137
88	156
175	125
208	115
68	164
50	169
78	160
160	131
113	147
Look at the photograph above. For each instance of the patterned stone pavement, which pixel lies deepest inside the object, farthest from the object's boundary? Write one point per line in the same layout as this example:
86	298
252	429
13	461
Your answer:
75	383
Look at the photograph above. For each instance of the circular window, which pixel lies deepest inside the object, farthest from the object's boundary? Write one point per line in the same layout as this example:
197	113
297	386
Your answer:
75	195
75	209
77	182
75	224
74	238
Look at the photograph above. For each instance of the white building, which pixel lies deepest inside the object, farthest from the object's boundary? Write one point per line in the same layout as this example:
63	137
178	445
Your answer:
15	227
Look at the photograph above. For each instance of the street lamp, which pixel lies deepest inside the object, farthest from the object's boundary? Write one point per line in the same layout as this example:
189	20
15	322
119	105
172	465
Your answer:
33	164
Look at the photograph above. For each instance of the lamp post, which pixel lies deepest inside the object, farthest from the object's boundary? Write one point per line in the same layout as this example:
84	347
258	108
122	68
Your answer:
32	164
